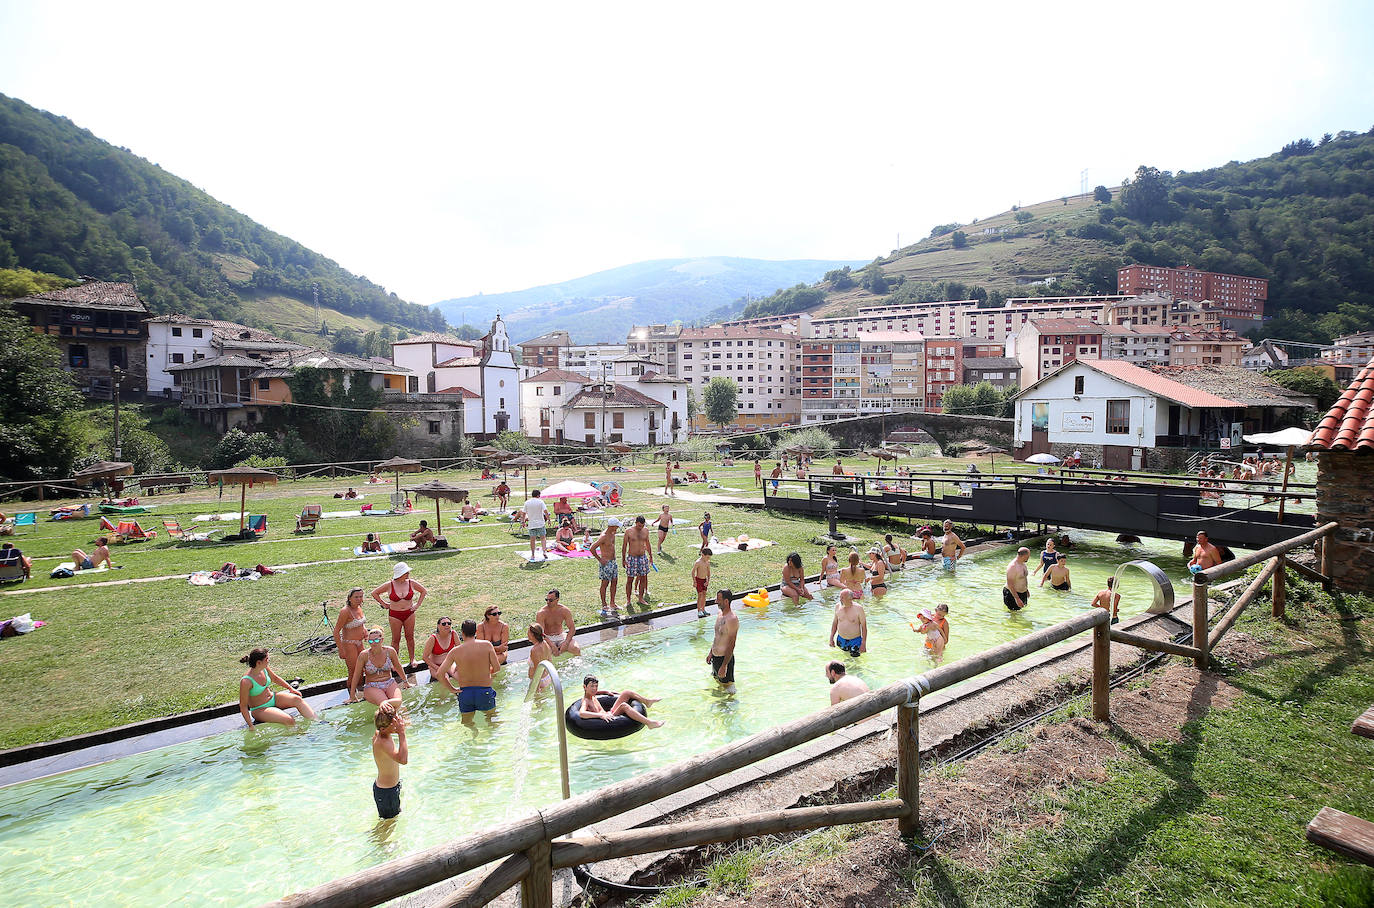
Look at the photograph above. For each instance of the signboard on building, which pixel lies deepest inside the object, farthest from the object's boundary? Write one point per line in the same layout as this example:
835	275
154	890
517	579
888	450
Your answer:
1078	421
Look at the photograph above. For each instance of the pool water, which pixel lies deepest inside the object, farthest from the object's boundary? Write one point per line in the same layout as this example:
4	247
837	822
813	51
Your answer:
243	817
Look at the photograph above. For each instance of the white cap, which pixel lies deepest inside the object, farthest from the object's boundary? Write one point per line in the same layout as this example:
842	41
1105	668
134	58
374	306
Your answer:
400	570
613	522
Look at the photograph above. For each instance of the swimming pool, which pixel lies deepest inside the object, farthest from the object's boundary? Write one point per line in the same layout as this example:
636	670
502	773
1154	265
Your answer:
241	817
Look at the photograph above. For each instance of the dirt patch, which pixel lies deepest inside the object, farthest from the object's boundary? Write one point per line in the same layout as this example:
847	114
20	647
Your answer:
974	805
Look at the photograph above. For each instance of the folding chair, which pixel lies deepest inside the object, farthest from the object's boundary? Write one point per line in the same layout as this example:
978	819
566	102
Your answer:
27	519
309	517
258	524
11	572
175	530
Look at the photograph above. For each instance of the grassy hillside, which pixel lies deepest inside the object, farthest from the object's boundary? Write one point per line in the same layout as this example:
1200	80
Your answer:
74	205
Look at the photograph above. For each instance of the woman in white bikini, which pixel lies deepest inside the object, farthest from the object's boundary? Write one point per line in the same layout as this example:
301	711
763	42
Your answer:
375	668
830	567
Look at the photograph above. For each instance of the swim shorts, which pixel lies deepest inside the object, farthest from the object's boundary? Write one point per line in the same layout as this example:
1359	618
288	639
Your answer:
1010	601
849	645
388	800
1065	587
89	565
947	563
555	640
608	571
928	556
636	565
537	532
471	699
700	583
716	662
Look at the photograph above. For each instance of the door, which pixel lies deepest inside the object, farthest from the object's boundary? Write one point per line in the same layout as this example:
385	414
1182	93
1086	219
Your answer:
1116	457
1174	419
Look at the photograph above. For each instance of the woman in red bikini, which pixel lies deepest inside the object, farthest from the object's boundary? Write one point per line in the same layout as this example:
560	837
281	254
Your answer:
437	646
403	599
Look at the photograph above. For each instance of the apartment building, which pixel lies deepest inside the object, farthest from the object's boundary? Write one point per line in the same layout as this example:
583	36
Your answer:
1141	345
1236	295
765	365
875	372
659	343
1205	348
592	359
798	323
177	339
1351	349
944	369
1044	345
547	351
935	319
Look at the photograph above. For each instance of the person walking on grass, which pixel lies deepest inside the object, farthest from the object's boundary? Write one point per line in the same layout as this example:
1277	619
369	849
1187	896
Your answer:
665	524
668	479
536	515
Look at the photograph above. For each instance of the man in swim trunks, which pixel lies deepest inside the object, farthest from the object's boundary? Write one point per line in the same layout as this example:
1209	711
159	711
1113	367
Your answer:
423	536
474	662
775	476
101	555
1205	554
609	573
1058	574
556	619
843	686
1109	599
701	576
721	656
637	556
536	516
389	756
1016	593
502	495
849	629
665	523
952	549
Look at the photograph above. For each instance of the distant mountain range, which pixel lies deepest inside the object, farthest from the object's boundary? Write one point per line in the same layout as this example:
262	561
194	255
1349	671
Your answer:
603	306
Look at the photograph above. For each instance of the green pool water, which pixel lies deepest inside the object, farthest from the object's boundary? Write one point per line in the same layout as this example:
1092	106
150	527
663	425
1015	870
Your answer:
242	817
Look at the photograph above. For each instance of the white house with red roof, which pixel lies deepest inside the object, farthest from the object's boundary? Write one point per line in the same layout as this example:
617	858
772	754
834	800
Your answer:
484	371
636	405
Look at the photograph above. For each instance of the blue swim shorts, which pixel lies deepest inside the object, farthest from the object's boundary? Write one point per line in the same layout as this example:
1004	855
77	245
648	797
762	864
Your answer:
471	699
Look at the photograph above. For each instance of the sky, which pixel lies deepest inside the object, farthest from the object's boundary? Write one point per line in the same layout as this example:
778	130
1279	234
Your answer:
451	149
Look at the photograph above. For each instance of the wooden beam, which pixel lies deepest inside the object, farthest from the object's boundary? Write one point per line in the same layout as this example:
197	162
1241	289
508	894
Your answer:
1201	617
1102	673
536	889
1311	573
1364	725
1243	600
1343	834
648	839
1155	646
909	767
1236	565
489	885
1277	591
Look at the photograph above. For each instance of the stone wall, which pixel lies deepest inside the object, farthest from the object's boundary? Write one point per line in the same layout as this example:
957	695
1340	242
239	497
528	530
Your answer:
946	428
413	417
1345	494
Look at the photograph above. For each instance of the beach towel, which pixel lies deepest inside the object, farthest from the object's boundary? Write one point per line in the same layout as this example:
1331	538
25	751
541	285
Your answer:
722	547
389	548
71	566
553	556
206	518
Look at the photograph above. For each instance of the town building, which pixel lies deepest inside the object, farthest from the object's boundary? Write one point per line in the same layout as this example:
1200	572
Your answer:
1264	356
765	366
1205	348
177	339
1344	445
1042	346
591	359
484	370
1351	349
875	372
1002	372
658	343
1236	295
99	327
944	369
1139	344
547	351
642	406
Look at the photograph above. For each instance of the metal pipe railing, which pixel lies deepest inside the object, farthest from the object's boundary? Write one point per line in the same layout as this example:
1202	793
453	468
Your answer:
540	670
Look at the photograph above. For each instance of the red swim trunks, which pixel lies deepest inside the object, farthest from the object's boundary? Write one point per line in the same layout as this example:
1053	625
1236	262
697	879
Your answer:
701	583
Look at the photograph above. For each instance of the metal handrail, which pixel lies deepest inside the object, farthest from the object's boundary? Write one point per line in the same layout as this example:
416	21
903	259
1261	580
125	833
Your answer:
1163	602
546	668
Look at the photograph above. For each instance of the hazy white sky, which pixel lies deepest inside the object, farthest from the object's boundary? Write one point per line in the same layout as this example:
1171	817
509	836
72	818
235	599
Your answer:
456	148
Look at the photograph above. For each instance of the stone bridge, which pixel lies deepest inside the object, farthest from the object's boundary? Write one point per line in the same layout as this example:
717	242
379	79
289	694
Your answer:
945	428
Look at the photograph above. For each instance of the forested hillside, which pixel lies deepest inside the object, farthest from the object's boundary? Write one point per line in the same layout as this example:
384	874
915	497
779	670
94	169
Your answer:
74	205
1302	217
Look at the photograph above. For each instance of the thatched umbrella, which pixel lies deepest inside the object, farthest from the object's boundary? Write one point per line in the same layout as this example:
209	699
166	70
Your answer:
440	491
399	465
105	469
244	477
898	449
672	452
524	462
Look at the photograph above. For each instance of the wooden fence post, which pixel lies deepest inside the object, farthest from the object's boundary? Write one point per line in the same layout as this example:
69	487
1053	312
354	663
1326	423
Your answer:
1200	588
909	767
1278	588
536	890
1102	672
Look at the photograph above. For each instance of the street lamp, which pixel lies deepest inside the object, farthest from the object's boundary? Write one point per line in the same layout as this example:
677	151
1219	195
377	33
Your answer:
116	375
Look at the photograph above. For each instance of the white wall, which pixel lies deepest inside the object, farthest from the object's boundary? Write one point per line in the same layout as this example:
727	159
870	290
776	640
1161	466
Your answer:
161	346
1084	421
673	396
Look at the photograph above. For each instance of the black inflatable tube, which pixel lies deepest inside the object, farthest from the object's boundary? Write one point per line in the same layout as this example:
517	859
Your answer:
597	728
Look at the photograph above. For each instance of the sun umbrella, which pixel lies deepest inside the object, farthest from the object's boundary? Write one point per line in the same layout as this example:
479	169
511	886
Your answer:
243	477
1290	438
105	469
399	465
881	454
571	488
619	447
524	462
899	449
1042	459
439	491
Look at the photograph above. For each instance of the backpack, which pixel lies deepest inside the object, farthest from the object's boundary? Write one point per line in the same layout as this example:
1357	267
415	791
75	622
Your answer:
62	572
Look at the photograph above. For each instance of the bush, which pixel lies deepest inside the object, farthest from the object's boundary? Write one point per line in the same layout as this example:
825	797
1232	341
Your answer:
821	443
237	446
263	463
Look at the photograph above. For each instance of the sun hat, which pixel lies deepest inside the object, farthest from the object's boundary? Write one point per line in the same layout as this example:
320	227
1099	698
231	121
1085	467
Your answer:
613	522
927	614
400	570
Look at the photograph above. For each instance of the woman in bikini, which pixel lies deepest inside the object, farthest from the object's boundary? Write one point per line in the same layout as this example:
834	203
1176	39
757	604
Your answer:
349	635
495	631
375	669
404	597
794	580
853	577
540	651
878	568
830	567
259	703
437	646
895	554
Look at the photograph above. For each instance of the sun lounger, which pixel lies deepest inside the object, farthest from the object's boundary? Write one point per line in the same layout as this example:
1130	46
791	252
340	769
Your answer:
26	519
258	524
12	571
309	517
175	530
130	531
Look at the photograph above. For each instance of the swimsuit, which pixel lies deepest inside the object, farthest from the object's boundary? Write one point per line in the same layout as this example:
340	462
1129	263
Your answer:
849	645
706	530
256	689
1009	600
608	571
716	662
636	565
700	583
388	800
452	642
1048	559
947	563
401	615
928	556
371	669
1065	587
87	564
878	585
555	640
471	699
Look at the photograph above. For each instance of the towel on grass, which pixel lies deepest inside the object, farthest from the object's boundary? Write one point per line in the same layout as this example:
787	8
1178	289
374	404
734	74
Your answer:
207	518
724	546
390	548
71	567
553	556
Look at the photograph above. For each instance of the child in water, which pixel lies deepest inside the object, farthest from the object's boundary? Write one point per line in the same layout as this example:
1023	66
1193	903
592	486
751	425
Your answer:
935	625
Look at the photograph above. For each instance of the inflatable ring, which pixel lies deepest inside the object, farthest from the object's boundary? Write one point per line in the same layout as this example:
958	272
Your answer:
598	729
757	599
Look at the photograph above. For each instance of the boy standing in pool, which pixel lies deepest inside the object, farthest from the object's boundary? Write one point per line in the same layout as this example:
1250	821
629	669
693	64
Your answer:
953	547
389	756
1109	599
722	654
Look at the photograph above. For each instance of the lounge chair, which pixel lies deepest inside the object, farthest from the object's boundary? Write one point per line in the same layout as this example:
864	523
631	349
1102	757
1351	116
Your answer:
309	517
174	530
11	572
398	503
257	523
26	519
130	531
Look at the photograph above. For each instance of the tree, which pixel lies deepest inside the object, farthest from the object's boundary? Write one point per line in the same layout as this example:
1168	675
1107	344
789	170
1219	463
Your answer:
1310	382
1098	275
840	278
693	407
982	399
1102	194
720	400
874	281
959	239
39	432
1024	217
1146	198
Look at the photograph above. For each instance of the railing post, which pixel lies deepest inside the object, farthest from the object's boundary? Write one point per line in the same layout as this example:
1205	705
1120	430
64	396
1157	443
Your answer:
909	766
1102	672
1326	555
536	890
1200	588
1278	588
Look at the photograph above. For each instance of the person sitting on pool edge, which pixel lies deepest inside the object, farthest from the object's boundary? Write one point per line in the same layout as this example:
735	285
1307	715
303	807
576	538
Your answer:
591	706
423	536
256	684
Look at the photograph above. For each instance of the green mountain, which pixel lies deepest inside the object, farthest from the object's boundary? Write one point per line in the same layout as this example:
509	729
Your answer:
74	205
603	306
1302	217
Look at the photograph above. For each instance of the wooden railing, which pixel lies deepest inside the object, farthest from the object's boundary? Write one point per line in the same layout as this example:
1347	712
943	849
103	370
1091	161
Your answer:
529	849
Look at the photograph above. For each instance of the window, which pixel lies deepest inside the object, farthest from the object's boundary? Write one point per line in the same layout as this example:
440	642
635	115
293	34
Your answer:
538	391
264	384
178	357
557	389
77	356
1077	384
617	420
197	332
413	384
434	427
589	422
1118	417
176	332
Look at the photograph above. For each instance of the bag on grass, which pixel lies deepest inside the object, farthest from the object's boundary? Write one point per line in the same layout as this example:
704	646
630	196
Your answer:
62	573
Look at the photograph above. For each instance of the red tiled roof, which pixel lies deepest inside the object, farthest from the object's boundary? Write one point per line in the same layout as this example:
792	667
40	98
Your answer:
467	395
1157	384
619	396
560	375
433	337
719	332
1067	326
1349	424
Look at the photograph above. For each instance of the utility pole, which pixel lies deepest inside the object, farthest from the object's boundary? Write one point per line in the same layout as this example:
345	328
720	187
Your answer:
315	289
604	390
116	375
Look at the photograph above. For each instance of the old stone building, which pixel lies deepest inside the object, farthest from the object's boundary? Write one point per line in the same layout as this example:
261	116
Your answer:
1344	442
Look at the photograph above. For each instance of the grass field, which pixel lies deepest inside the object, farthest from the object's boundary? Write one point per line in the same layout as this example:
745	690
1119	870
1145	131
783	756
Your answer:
295	315
119	651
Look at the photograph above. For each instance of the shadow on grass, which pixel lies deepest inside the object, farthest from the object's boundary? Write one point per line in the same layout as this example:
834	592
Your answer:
1349	652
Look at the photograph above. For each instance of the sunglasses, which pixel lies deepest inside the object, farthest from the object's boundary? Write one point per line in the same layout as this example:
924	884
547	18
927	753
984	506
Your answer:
446	624
498	611
374	639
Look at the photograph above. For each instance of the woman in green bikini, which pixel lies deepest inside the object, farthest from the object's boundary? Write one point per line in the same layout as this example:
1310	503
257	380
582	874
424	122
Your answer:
258	702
